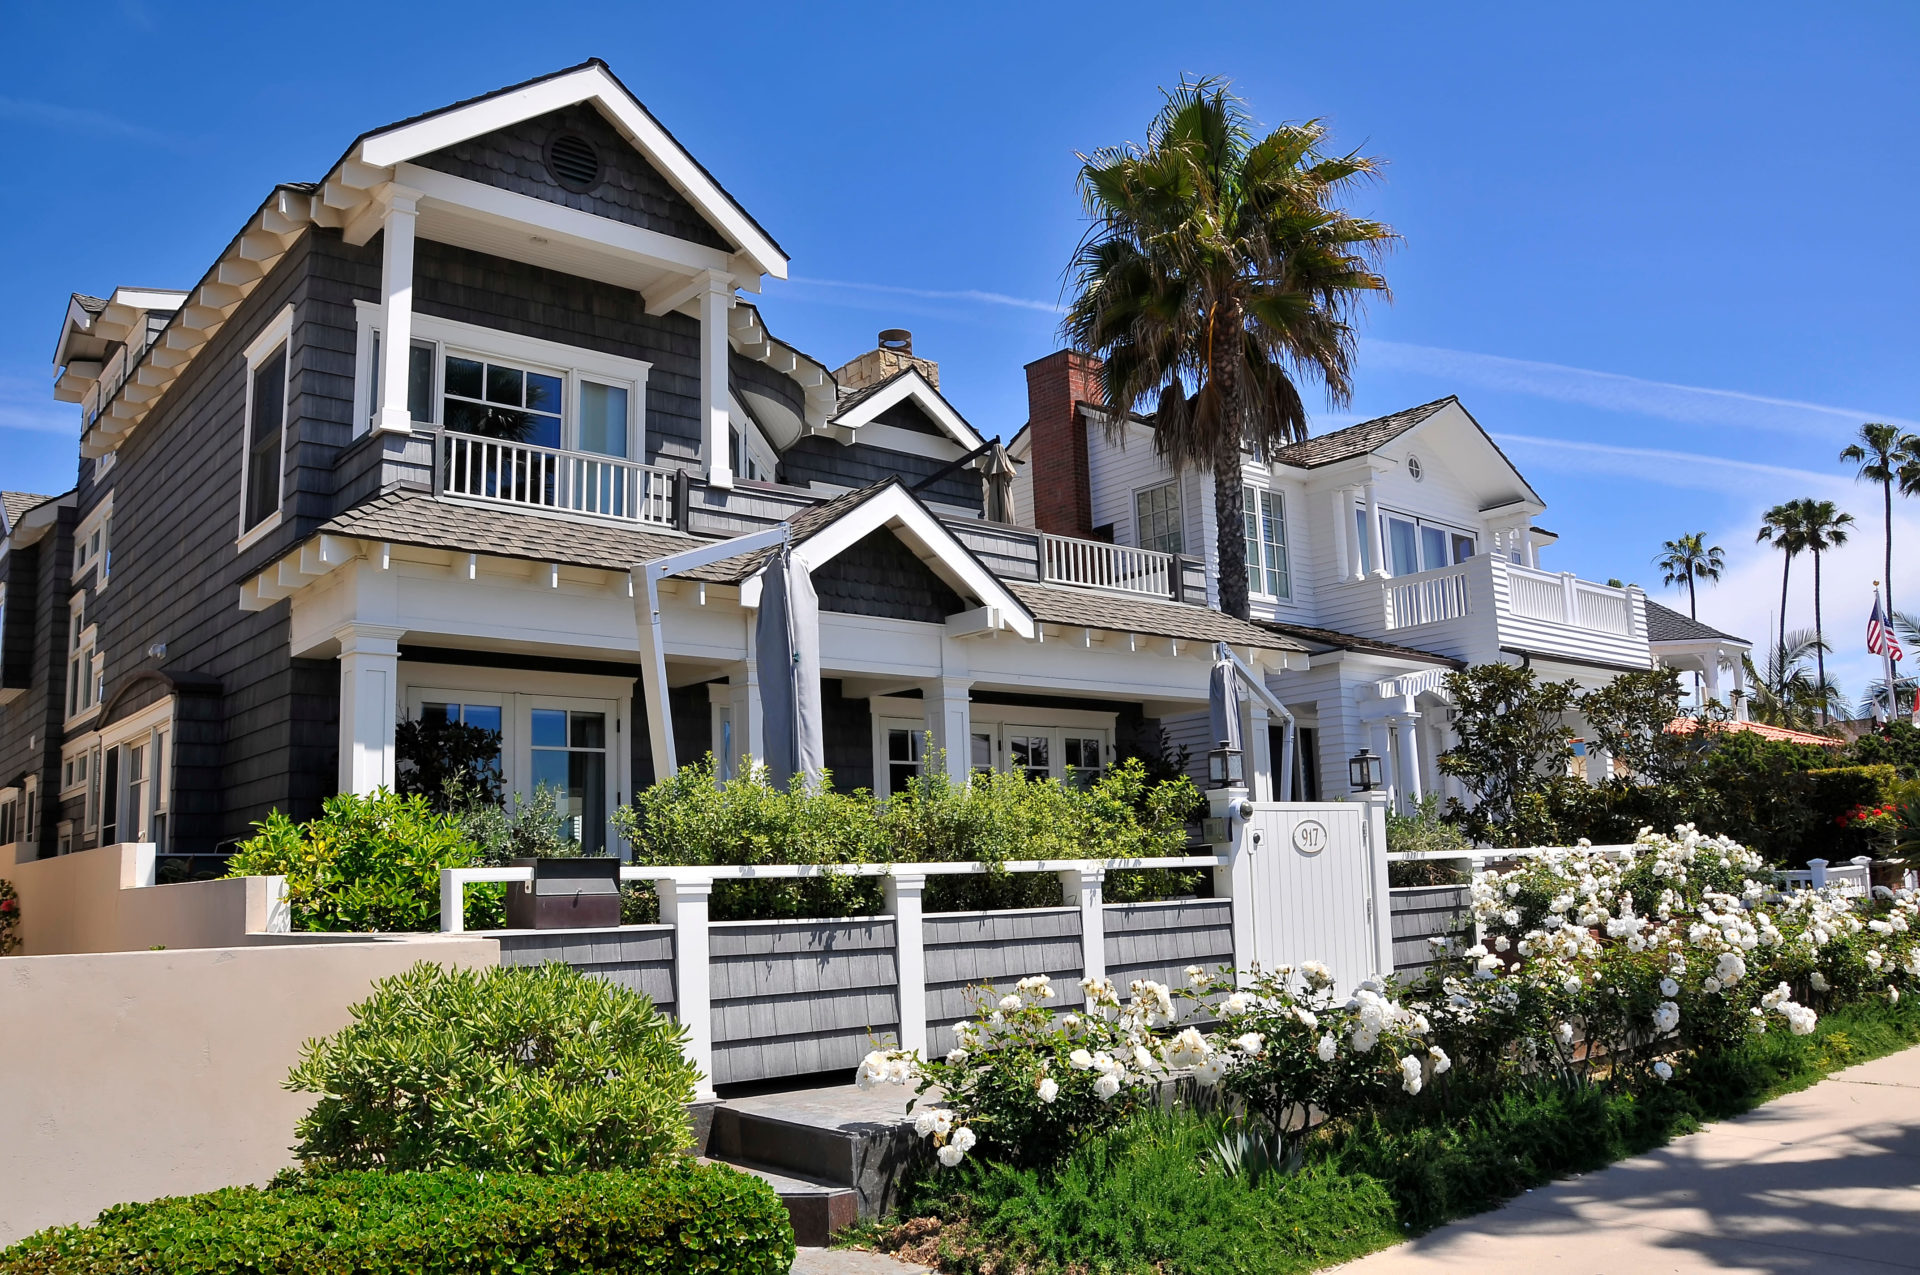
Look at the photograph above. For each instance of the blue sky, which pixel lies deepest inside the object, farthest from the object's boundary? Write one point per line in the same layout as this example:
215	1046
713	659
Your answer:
1660	251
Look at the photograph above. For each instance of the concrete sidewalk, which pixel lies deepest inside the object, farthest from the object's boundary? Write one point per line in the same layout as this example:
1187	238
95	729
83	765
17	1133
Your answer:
1826	1180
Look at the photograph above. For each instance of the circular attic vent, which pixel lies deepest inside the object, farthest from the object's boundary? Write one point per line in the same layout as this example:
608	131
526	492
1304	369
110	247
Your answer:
573	162
1414	471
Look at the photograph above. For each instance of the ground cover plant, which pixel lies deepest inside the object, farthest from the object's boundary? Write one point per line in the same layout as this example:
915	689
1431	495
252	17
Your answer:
1615	1001
679	1218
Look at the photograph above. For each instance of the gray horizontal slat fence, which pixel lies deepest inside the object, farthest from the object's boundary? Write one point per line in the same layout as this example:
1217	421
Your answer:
792	998
1421	912
968	950
635	956
1158	941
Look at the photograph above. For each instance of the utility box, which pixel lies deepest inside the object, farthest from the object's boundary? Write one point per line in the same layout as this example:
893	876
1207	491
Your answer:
565	894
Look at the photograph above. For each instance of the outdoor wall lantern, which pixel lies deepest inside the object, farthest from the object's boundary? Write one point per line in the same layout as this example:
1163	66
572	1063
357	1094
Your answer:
1364	769
1225	768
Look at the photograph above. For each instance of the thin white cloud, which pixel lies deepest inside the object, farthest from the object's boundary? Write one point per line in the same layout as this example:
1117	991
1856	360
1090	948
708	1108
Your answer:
1691	470
80	120
1615	392
28	404
936	294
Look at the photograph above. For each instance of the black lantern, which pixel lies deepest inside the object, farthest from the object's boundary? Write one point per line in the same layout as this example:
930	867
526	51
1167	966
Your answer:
1225	768
1364	769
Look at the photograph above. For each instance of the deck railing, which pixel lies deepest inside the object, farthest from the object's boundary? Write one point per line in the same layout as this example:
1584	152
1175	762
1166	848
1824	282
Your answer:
494	469
1428	598
1097	564
1567	599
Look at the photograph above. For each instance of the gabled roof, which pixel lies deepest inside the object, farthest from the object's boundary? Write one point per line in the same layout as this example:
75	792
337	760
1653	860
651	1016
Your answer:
861	406
15	504
590	81
1358	440
415	518
1664	624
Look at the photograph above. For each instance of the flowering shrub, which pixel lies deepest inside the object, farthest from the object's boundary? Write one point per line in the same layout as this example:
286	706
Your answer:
1595	969
9	917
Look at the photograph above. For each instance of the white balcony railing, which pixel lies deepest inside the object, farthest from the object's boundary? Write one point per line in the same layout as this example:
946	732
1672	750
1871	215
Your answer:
1096	564
494	469
1430	597
1567	599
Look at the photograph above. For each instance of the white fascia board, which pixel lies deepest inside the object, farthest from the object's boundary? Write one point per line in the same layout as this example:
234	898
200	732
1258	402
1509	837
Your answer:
584	229
913	385
589	84
148	298
941	551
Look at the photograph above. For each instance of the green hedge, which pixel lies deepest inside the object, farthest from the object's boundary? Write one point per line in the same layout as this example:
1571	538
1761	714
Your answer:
681	1219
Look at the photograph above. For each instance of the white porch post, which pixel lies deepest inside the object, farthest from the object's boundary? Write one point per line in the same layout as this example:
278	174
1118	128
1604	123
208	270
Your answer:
1234	879
1086	889
396	318
1343	564
745	713
1712	674
1380	739
905	892
1529	553
1375	553
369	680
1739	691
715	449
1407	727
685	904
1260	777
1379	895
949	717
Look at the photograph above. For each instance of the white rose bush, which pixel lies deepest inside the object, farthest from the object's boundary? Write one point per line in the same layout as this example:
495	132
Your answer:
1594	970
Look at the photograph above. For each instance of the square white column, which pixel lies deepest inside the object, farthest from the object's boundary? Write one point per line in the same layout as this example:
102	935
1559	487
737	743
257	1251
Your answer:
369	693
396	317
948	706
715	414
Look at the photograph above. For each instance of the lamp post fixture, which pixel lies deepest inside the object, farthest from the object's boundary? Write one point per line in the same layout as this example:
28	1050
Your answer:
1226	768
1363	768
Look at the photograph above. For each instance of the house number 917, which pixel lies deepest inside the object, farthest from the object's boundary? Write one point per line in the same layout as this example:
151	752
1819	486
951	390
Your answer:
1309	836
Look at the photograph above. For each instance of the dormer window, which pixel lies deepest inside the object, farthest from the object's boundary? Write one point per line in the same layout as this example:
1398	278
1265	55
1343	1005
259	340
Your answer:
263	467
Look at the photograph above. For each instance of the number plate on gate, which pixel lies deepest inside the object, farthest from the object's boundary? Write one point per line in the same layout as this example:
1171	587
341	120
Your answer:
1309	836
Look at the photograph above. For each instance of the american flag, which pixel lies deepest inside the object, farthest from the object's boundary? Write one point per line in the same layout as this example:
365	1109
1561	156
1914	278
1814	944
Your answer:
1880	638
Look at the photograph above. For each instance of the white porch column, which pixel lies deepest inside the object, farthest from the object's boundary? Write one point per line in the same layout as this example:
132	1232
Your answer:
715	450
1739	691
686	905
1407	727
1233	879
949	716
1260	776
1380	740
1375	552
744	704
1085	889
1343	563
1529	552
369	682
396	318
1712	674
904	895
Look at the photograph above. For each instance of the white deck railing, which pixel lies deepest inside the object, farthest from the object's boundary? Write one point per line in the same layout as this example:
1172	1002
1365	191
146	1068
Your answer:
1099	565
1567	599
493	469
1429	597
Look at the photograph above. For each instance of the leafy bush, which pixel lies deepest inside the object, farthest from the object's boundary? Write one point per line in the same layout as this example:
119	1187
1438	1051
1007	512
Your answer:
447	761
693	818
530	1070
9	917
1425	831
681	1218
532	829
366	864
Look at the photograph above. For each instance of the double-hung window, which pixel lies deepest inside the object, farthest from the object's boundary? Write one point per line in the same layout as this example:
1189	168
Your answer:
1156	518
1265	512
82	678
263	471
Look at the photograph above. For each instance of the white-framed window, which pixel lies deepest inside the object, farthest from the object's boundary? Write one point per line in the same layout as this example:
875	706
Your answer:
30	812
73	772
263	466
478	380
1265	511
1071	745
9	816
84	667
93	545
1156	519
96	783
753	457
64	834
1413	544
133	774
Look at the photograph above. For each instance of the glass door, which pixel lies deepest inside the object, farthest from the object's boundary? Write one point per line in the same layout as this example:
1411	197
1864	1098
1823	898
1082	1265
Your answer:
569	750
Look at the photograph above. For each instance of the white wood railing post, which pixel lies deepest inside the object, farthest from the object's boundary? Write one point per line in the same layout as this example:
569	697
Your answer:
453	918
1379	894
1085	888
685	904
1570	596
1226	832
1819	869
905	894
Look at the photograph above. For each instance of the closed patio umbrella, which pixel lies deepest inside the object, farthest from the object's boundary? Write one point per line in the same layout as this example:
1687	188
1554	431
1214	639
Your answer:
1223	702
787	645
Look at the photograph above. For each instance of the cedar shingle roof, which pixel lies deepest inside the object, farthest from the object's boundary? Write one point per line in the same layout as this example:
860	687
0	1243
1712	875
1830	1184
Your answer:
1664	624
1123	614
414	518
853	398
1358	440
17	503
1353	642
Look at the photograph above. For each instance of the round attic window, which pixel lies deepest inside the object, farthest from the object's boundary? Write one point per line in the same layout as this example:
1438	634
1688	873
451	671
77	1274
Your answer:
573	161
1414	471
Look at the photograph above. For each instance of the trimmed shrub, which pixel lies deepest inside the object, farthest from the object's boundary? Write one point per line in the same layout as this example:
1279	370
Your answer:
680	1219
367	864
9	917
530	1070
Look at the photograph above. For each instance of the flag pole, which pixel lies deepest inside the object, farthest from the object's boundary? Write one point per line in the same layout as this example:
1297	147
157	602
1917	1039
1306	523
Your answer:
1886	654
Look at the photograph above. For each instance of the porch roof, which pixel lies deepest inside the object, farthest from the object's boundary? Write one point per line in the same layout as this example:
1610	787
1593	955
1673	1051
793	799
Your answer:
1122	613
1352	642
1664	624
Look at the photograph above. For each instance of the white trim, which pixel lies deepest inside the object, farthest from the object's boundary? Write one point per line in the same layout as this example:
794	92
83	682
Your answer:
277	332
595	84
894	712
96	520
910	384
895	438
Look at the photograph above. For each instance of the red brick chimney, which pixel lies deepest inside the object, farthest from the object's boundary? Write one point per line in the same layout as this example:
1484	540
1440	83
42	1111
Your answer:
1062	490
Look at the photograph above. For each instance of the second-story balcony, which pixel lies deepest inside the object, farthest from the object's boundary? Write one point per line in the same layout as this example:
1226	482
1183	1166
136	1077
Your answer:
499	471
1476	609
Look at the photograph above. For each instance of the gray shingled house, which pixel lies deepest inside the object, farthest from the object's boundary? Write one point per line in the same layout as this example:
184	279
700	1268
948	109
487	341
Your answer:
406	448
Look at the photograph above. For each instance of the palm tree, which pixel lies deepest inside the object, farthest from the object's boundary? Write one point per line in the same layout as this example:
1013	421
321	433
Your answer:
1223	262
1688	559
1788	694
1780	527
1885	456
1824	528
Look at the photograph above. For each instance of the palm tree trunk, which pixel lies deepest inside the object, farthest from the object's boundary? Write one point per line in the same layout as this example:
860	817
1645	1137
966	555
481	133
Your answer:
1228	501
1780	672
1819	639
1693	612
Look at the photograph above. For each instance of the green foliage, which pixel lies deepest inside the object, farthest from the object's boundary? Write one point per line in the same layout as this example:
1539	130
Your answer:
506	1070
1425	831
681	1218
1513	744
9	917
1895	744
442	760
532	829
693	818
366	864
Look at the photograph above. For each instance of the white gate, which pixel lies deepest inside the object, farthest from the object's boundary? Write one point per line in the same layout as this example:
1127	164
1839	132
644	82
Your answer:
1315	875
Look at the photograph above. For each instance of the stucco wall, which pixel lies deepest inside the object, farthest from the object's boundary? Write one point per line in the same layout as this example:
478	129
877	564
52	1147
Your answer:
98	901
133	1075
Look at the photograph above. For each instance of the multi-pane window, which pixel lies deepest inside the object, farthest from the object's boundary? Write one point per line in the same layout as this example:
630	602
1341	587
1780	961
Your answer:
980	751
82	676
419	380
570	757
499	400
1084	758
905	757
266	425
479	716
9	822
1156	518
1265	513
1031	755
1414	544
134	770
93	546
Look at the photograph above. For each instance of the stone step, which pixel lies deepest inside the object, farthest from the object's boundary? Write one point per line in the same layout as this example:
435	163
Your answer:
831	1134
818	1210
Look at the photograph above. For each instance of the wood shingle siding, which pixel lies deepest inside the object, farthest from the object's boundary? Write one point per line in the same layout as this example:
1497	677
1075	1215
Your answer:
879	575
629	190
637	957
792	998
1157	941
817	459
969	953
1428	911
